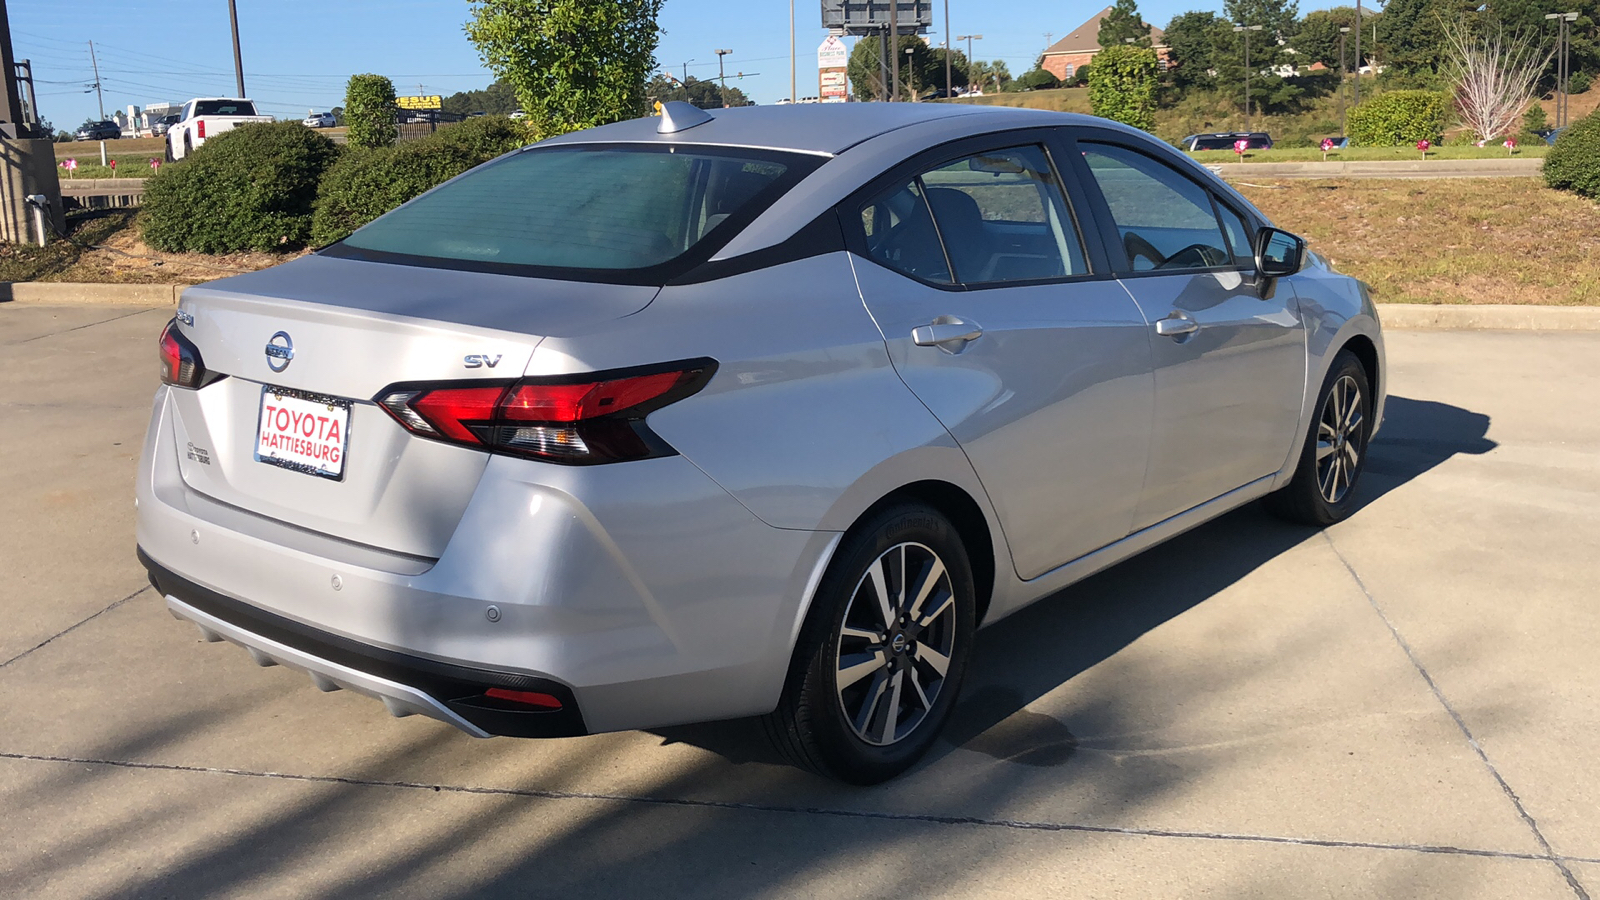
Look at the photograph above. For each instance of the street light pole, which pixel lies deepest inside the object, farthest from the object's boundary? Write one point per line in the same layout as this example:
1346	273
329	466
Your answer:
894	50
238	63
792	96
911	75
949	86
722	76
1247	29
1566	65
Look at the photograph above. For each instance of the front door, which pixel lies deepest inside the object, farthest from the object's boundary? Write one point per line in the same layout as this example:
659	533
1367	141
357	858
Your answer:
1227	348
974	270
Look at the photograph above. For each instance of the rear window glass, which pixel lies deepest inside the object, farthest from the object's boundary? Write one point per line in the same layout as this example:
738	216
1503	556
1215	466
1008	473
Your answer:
607	209
224	108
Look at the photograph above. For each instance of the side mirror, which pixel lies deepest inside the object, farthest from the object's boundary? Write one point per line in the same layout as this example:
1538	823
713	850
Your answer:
1278	253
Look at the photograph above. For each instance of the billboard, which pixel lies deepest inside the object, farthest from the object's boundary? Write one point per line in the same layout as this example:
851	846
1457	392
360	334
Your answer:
833	61
432	101
860	17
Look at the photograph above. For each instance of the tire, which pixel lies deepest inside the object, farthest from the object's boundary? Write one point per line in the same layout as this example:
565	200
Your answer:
166	149
188	147
1323	489
848	732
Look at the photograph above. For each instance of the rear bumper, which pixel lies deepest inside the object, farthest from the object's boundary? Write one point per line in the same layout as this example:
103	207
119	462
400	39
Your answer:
407	685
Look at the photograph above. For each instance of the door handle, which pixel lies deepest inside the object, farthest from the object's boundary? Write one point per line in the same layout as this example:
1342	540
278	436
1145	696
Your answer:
946	330
1176	324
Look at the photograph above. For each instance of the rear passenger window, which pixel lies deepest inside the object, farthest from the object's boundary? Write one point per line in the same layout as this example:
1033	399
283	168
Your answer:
900	234
1003	217
1165	220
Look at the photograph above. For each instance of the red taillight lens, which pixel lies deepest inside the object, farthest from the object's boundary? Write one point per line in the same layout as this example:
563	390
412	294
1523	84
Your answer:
534	699
200	128
180	360
591	419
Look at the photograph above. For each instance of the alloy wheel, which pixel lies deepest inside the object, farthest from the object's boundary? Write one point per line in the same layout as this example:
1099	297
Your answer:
1340	439
895	643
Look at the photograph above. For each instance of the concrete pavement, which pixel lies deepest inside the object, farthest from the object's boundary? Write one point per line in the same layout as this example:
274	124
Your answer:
1404	705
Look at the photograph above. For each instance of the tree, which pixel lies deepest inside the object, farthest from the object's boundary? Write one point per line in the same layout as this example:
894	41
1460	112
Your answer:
1413	41
1317	39
1527	17
707	94
369	110
1192	39
1038	79
496	100
1122	85
1123	22
573	64
869	73
1494	76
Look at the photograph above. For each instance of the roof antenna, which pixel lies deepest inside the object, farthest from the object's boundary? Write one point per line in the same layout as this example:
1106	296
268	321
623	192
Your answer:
679	116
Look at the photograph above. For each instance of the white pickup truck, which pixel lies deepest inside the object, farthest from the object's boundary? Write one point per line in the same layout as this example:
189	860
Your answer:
207	117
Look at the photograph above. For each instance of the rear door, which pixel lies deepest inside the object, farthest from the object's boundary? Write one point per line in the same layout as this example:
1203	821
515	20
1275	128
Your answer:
1005	324
1228	348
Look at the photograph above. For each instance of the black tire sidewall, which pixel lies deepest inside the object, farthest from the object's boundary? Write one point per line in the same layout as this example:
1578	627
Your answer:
1305	481
844	754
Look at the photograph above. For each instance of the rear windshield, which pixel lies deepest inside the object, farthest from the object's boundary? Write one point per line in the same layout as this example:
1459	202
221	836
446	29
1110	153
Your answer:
607	209
224	108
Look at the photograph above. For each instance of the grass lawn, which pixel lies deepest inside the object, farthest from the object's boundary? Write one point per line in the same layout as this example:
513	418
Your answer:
1369	154
1448	240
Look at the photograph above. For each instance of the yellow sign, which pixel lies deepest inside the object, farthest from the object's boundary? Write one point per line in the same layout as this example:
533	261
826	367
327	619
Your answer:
433	101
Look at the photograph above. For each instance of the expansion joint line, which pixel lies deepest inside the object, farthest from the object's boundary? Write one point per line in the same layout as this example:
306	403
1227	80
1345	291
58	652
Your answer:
74	627
1533	826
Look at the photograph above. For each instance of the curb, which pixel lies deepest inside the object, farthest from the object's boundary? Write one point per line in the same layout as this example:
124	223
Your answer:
1399	316
1404	316
95	294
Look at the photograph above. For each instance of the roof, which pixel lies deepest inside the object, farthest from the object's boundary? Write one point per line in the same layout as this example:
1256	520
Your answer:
1086	37
826	128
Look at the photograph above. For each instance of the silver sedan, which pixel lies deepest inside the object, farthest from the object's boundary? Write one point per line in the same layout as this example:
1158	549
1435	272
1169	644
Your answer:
750	412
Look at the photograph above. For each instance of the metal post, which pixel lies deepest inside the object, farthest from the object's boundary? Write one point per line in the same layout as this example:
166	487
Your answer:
12	113
238	62
894	51
949	86
1342	75
911	75
1566	68
792	96
1357	99
1247	29
99	97
722	76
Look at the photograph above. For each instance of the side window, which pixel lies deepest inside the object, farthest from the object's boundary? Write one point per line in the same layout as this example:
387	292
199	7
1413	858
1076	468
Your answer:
1244	254
900	233
1165	220
1003	217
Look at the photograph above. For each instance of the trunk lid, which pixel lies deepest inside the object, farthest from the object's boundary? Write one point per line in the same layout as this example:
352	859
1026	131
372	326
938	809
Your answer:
355	328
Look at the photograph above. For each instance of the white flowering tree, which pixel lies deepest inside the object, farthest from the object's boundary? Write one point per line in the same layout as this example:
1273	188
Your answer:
1495	76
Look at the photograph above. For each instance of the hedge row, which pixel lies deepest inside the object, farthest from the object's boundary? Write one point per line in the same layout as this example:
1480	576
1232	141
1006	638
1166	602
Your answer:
1395	118
282	185
1573	164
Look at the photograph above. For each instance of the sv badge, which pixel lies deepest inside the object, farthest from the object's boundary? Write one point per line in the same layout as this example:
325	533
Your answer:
480	360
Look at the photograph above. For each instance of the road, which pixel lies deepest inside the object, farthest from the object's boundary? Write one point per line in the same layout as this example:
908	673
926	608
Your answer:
1403	706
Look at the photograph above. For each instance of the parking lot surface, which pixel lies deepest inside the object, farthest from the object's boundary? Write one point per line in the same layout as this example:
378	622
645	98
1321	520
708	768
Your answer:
1402	706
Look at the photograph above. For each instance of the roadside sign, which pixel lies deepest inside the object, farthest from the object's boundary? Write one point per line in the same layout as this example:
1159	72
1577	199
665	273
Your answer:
833	61
431	101
833	53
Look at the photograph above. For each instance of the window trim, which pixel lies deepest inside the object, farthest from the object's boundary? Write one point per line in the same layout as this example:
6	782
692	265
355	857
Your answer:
912	167
1109	234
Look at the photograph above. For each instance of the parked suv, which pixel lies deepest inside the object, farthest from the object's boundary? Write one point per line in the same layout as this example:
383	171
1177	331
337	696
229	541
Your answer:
99	131
1224	140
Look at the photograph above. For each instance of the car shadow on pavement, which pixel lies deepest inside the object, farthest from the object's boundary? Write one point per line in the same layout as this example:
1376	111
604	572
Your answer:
1042	647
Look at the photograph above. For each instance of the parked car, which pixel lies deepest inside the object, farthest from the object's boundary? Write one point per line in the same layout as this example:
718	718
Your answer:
164	124
1224	140
206	117
1340	142
1551	135
748	412
320	120
98	131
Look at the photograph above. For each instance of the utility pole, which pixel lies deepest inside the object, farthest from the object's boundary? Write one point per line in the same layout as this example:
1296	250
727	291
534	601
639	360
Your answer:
238	62
722	76
911	75
969	38
1247	29
1357	100
685	81
949	86
98	95
1566	64
1343	76
894	49
792	96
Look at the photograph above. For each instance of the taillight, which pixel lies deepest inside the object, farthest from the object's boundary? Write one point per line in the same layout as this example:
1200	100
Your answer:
200	128
575	420
180	360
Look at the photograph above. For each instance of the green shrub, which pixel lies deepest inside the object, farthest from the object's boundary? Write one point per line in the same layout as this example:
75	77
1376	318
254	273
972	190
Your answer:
1037	79
369	110
1534	119
365	184
1580	82
252	188
1122	85
1395	118
1573	164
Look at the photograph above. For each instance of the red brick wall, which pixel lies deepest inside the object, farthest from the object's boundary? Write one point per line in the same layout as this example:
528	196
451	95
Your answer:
1057	64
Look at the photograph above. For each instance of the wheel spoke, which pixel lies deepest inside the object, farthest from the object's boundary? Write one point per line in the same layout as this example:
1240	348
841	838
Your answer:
930	580
869	706
890	718
928	620
916	684
1352	457
880	585
1324	449
850	631
938	661
1352	413
857	666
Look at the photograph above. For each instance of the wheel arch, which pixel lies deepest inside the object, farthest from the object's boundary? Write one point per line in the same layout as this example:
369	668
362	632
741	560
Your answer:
971	525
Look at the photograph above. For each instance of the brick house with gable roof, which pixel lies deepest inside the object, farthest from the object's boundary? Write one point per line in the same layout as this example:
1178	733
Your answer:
1077	49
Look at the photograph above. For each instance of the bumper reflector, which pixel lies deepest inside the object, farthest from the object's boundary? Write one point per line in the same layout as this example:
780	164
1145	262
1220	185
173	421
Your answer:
524	698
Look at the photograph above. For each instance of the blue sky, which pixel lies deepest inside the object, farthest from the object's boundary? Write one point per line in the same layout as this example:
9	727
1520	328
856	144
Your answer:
298	53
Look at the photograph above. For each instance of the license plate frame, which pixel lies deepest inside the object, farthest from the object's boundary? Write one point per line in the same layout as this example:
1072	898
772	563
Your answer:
340	405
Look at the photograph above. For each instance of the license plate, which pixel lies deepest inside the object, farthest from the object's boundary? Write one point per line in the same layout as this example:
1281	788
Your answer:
304	432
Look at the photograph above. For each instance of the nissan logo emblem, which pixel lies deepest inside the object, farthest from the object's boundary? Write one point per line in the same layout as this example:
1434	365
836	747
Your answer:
280	350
